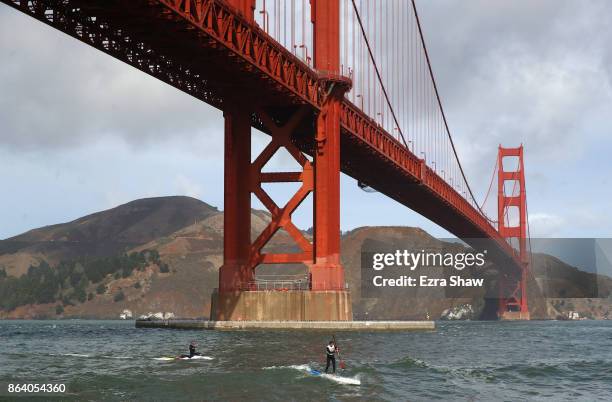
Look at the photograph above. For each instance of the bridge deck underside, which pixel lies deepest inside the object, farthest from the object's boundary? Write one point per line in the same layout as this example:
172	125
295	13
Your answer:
165	43
361	162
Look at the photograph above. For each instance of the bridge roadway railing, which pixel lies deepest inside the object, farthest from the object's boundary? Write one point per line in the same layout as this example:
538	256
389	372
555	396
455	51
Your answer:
282	285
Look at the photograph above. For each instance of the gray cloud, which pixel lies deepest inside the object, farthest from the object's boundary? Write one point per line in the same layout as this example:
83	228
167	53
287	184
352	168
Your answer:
509	72
56	92
518	71
537	73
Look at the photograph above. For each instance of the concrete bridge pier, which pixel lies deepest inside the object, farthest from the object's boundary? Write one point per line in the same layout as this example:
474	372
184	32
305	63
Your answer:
292	305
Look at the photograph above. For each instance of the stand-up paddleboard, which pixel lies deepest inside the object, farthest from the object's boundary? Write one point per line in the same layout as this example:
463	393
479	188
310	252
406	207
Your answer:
316	373
337	378
167	359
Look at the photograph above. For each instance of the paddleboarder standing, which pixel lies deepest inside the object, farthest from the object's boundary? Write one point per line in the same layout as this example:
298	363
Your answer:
330	351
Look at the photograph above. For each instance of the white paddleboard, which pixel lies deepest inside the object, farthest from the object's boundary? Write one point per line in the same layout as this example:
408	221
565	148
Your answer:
337	378
167	359
333	377
316	373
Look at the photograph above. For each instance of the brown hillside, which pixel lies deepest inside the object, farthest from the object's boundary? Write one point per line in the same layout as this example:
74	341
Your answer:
188	234
103	233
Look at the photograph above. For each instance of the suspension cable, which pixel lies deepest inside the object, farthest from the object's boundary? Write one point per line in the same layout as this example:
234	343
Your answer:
495	168
442	110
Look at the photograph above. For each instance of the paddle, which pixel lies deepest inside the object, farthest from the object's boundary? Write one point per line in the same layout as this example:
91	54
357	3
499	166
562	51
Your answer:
342	365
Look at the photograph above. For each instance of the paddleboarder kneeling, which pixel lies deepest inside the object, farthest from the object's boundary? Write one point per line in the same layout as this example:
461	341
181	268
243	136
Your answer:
330	351
192	351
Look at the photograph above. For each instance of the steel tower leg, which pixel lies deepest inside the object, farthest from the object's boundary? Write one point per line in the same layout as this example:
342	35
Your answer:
327	272
237	201
237	197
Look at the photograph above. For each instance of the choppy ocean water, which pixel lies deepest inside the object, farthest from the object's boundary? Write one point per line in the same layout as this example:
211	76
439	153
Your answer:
481	361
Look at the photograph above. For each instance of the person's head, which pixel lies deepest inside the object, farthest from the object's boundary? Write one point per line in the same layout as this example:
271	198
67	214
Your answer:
331	342
192	343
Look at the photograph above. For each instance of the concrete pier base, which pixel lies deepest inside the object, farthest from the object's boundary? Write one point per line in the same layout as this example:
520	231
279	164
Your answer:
285	310
363	326
291	305
515	316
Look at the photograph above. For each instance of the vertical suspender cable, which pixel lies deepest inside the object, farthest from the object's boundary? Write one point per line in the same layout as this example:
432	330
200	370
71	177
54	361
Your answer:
437	95
377	71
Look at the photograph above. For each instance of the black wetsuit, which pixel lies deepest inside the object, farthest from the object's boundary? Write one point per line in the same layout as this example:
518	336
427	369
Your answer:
330	351
192	352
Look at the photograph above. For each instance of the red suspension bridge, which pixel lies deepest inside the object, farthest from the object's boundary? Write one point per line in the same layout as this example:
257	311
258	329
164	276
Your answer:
342	85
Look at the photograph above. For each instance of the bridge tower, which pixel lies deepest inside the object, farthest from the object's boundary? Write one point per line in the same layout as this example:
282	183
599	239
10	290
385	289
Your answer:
513	289
326	299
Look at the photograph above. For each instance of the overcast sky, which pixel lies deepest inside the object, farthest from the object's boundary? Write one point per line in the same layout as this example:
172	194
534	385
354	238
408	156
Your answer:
81	131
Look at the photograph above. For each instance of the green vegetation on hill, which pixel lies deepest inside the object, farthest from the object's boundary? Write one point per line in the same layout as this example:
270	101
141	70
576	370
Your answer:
68	281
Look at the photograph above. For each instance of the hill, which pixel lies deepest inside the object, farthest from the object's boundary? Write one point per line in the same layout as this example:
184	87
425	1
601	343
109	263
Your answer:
163	255
102	234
